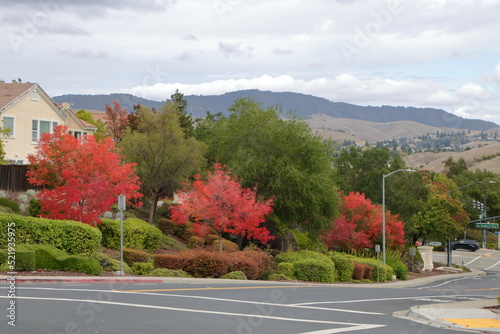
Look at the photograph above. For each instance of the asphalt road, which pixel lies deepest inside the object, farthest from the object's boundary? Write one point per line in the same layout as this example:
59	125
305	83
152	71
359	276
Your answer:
482	259
241	307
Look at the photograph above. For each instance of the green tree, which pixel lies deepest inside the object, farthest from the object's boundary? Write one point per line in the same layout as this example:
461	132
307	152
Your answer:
180	108
361	170
281	157
101	126
164	156
442	216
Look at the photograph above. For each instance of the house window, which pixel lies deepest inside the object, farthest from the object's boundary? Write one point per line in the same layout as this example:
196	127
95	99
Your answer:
34	95
78	134
40	126
8	123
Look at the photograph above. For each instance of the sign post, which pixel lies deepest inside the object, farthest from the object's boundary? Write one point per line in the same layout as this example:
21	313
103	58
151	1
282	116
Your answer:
377	250
121	207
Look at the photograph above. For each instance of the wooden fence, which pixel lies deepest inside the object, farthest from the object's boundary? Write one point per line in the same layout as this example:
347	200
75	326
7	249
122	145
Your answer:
13	178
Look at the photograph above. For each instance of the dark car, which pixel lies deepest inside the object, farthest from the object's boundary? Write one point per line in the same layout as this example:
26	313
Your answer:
470	245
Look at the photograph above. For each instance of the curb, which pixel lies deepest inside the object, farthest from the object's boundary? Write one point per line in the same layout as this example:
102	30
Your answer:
160	280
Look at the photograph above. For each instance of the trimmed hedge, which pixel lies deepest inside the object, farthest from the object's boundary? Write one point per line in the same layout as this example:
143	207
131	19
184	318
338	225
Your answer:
314	270
109	264
131	256
70	236
343	266
235	275
143	268
169	273
49	257
136	234
285	268
203	263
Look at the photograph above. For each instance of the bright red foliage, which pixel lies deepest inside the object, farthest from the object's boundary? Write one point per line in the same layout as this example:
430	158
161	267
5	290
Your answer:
117	120
221	203
83	177
360	225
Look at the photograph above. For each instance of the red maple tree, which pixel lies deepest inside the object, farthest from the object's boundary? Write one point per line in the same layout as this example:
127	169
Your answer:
222	204
83	177
360	225
117	120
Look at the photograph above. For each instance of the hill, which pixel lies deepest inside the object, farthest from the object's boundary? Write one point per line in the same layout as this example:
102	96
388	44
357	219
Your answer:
485	156
303	106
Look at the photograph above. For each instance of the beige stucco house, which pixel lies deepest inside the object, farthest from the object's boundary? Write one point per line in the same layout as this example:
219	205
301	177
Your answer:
27	110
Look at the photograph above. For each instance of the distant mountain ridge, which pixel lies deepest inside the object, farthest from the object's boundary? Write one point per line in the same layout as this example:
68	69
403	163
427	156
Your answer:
304	106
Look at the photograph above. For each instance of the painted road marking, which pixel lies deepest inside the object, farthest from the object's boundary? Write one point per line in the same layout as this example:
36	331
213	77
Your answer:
476	323
349	325
496	264
341	330
226	288
216	299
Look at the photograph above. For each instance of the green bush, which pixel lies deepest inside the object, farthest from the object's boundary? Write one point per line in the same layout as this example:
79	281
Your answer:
235	275
279	277
143	268
289	257
169	273
109	264
131	256
385	272
14	206
34	208
344	267
49	257
304	241
314	270
394	260
285	268
25	259
70	236
136	234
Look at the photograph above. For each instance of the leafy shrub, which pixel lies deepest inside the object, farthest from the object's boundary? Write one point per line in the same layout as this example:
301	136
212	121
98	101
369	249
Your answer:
14	206
206	264
195	242
304	241
136	234
34	208
166	226
359	271
131	256
169	273
344	267
226	244
143	268
70	236
314	270
169	261
285	268
109	264
279	277
385	272
31	192
25	260
6	210
235	275
288	257
49	257
23	198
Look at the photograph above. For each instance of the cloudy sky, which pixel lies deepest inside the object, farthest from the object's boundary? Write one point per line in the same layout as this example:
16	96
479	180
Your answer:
426	53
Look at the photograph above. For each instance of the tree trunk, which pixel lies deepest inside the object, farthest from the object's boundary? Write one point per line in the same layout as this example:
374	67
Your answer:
152	210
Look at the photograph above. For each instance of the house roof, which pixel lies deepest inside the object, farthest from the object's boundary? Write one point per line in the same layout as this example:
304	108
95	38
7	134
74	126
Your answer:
10	91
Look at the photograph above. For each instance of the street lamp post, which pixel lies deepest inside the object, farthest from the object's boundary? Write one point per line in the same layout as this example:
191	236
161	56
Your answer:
483	213
383	208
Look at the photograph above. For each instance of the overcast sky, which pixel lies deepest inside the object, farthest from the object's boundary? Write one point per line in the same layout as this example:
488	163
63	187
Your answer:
425	53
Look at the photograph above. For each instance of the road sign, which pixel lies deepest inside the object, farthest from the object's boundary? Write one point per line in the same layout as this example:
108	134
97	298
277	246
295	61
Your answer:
486	225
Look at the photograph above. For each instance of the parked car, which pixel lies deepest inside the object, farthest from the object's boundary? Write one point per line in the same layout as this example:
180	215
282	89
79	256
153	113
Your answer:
435	243
470	245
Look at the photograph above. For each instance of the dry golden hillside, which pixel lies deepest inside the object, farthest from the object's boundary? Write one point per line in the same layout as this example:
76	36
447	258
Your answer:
435	161
362	131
